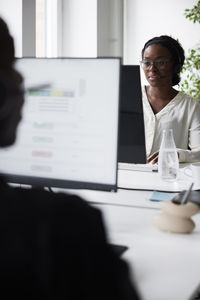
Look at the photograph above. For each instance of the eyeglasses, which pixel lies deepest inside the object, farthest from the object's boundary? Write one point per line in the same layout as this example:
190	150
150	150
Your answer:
159	64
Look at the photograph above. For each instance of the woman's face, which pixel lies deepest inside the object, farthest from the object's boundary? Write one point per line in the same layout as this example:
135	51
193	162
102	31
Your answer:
157	64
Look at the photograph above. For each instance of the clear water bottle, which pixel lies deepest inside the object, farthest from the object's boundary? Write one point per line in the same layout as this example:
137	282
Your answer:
168	163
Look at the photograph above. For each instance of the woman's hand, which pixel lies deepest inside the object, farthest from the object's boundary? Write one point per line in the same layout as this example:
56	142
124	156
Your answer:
153	159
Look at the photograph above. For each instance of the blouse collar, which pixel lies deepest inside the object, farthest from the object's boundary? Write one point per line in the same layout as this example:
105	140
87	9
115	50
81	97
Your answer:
167	107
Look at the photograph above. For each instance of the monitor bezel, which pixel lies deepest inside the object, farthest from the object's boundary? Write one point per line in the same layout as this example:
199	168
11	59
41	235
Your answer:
42	182
138	149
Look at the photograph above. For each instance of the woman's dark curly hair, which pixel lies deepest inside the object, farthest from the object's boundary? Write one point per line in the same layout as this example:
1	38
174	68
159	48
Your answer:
176	50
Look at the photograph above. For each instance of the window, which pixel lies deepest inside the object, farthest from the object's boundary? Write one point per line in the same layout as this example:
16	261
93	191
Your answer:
48	28
40	28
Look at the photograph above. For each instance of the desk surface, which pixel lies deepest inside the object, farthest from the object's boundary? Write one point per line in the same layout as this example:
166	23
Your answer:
152	181
165	266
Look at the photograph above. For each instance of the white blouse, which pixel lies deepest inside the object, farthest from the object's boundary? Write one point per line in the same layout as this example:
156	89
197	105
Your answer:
182	114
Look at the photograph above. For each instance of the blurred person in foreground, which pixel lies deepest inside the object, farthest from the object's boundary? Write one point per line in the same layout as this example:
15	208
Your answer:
53	246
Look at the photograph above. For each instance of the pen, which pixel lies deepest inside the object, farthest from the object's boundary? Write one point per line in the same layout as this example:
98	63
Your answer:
186	194
39	87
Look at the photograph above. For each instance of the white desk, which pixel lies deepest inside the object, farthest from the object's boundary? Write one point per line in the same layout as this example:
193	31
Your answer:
165	266
152	181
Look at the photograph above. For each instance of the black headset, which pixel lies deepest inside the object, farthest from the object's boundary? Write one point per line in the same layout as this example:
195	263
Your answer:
8	89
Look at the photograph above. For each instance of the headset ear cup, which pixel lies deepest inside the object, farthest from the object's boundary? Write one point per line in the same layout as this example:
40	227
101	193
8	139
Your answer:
3	93
10	93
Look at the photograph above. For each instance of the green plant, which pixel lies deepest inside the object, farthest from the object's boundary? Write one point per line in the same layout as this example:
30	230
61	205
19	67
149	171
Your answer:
191	68
194	13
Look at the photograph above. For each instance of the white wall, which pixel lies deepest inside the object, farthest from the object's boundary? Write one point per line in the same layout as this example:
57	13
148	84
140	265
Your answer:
145	19
92	28
79	28
13	17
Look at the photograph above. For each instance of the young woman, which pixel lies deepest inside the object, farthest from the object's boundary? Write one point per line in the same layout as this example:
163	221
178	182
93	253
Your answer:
164	106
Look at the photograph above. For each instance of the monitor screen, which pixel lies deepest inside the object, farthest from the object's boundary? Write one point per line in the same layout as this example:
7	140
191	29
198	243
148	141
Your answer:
132	147
68	136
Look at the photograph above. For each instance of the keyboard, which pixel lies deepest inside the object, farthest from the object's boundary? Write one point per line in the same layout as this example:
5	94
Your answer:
138	167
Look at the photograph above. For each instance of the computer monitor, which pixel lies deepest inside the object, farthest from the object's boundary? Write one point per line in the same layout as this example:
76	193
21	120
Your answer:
68	135
132	147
